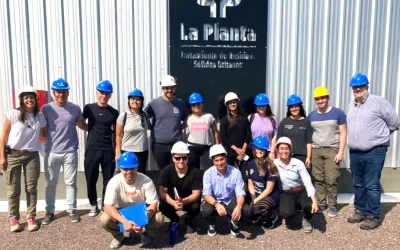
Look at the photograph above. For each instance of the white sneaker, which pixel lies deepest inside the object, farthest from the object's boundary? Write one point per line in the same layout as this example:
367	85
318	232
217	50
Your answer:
94	211
117	242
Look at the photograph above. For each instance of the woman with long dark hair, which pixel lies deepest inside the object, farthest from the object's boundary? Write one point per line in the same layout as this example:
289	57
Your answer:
19	150
131	130
235	134
263	187
264	123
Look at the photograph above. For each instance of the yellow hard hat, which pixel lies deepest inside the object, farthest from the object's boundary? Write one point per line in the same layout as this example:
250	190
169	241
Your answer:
320	91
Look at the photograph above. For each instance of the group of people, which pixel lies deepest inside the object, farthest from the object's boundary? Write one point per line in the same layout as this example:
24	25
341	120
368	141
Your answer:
254	168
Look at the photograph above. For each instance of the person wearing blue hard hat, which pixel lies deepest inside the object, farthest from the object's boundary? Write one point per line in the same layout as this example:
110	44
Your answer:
298	128
127	189
263	184
132	127
61	148
371	120
202	133
101	118
264	123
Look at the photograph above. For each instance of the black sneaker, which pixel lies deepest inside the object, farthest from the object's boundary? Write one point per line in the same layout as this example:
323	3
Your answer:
211	230
48	218
234	229
369	223
270	223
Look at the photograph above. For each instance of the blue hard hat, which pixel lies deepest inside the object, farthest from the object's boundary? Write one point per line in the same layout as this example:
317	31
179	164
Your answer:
261	142
261	100
60	84
135	92
105	86
294	99
195	98
128	160
358	79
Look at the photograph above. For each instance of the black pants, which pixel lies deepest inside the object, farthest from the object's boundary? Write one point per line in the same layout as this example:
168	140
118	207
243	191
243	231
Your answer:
94	159
162	154
287	206
231	160
192	210
209	212
142	157
196	152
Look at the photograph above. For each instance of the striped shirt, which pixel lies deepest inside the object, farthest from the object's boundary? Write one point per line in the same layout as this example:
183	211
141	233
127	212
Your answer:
370	122
295	175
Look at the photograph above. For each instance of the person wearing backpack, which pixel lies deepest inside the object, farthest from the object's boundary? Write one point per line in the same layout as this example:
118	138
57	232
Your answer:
131	132
264	123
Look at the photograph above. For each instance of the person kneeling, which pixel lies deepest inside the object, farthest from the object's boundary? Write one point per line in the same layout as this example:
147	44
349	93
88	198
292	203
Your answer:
186	181
223	191
263	187
296	185
126	189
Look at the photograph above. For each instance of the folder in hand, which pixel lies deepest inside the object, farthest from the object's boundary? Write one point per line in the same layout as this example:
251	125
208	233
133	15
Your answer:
136	213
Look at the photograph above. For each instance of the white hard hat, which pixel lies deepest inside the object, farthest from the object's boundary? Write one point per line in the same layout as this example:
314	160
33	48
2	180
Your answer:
217	149
27	89
284	140
180	148
167	81
231	96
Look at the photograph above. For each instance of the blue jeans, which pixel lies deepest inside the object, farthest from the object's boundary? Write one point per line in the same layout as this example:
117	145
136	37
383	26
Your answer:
366	168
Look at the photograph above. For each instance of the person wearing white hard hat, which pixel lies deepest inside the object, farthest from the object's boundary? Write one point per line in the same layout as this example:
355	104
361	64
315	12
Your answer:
167	113
297	187
235	134
19	146
180	187
223	191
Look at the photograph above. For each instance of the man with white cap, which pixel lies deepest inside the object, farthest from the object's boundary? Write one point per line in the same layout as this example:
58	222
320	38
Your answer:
180	187
167	113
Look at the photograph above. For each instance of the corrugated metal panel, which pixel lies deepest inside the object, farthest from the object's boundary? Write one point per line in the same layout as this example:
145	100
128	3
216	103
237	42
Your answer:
310	43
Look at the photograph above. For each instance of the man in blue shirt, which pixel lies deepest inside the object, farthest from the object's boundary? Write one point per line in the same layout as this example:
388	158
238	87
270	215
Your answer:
371	120
223	191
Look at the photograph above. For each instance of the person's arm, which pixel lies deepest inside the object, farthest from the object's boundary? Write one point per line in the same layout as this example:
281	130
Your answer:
82	125
195	196
272	153
306	179
252	190
266	192
309	152
3	141
152	210
247	134
390	117
118	140
309	133
215	132
196	188
342	143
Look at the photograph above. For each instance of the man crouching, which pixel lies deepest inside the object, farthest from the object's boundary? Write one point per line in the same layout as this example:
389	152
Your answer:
126	189
223	191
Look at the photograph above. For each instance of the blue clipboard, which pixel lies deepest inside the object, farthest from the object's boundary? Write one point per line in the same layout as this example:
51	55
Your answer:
136	213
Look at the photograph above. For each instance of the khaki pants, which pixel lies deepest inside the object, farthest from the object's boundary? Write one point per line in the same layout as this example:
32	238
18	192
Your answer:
30	163
111	225
326	174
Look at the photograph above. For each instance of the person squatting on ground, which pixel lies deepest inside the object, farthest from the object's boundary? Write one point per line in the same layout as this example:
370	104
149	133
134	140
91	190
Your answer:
126	189
131	132
263	184
298	129
264	123
329	141
61	148
223	192
180	187
101	120
167	113
20	138
235	134
202	132
296	186
370	120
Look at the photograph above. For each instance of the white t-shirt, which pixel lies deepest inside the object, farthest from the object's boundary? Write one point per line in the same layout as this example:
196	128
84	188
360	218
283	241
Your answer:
120	194
25	136
200	129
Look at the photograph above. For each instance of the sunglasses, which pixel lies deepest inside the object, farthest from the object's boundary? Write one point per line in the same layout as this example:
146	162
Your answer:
179	158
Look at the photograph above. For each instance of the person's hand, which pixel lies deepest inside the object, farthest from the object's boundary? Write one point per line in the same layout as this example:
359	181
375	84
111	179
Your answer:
255	201
338	158
117	155
237	213
308	162
220	209
3	164
178	205
137	229
314	208
129	225
240	157
239	151
271	156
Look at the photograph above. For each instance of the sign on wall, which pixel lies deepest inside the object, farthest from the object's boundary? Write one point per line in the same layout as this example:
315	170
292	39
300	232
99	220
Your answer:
218	46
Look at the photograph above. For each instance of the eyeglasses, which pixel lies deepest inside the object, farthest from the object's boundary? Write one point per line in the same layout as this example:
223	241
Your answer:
179	158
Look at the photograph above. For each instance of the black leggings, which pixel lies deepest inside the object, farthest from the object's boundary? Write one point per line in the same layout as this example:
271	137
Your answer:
197	154
142	157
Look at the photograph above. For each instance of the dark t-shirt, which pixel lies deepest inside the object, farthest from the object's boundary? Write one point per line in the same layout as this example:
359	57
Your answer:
299	132
260	182
237	135
191	181
100	126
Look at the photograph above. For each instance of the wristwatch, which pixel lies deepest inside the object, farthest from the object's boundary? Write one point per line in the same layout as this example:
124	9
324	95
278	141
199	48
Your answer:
215	203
